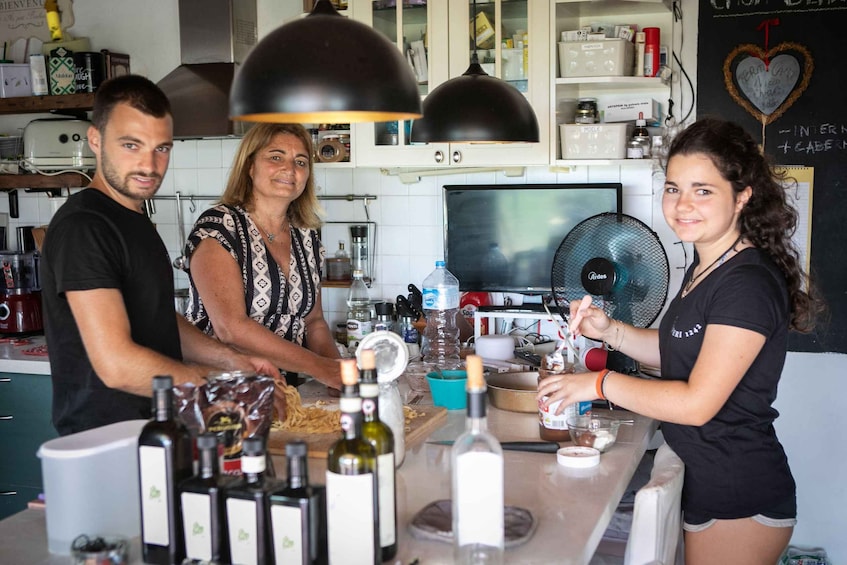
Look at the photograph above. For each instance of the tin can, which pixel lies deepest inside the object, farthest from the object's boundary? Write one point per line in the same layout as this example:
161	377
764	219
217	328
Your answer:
88	71
38	70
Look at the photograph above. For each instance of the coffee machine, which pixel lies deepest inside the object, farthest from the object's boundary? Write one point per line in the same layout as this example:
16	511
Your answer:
20	298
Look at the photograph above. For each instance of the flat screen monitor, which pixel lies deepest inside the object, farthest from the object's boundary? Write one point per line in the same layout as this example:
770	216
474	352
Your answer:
502	238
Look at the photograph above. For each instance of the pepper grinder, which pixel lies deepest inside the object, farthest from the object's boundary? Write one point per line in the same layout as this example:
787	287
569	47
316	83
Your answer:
359	250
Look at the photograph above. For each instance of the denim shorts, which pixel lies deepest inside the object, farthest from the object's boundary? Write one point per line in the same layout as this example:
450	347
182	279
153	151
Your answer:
782	515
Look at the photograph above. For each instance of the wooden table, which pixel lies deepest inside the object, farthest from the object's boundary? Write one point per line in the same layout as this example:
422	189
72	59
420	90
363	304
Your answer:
572	506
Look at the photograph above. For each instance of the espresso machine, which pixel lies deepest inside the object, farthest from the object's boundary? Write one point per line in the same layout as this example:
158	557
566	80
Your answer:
20	298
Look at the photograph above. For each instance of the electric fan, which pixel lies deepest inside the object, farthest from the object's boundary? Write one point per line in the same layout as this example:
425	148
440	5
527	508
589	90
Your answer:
619	261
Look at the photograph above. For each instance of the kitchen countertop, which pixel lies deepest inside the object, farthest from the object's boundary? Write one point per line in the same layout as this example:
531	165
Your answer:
17	355
572	506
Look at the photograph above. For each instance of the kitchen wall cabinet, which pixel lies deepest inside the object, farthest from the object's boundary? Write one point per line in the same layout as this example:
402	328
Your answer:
25	423
444	29
572	14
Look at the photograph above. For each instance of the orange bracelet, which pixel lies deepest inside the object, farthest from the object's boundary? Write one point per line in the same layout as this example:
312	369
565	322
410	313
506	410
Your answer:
598	384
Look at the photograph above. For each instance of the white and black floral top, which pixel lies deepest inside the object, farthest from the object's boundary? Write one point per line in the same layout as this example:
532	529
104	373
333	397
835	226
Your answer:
278	304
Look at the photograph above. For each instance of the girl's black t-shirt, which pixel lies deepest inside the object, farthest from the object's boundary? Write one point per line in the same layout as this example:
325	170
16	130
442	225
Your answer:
734	465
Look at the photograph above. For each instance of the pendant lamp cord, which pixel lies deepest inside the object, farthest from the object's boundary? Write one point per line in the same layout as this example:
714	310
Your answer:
474	56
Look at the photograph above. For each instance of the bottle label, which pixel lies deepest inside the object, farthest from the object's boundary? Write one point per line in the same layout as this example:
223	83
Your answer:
385	480
350	518
154	495
356	330
552	421
287	525
197	524
243	531
440	298
478	500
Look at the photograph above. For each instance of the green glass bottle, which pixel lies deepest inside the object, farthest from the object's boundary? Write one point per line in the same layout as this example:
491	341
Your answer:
351	482
381	437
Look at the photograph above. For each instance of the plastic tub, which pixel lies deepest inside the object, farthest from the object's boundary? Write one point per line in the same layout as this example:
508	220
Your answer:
448	389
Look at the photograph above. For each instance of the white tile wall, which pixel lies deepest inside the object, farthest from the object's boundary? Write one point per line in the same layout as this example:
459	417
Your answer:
408	218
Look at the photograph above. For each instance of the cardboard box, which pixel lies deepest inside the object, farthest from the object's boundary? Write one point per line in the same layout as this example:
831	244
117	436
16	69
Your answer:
62	72
15	80
627	110
608	57
484	31
594	141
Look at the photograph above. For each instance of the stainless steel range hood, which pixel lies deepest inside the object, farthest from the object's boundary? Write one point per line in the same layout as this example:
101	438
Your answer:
214	37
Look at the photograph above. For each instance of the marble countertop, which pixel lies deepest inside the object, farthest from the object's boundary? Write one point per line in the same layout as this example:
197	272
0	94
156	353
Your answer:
24	355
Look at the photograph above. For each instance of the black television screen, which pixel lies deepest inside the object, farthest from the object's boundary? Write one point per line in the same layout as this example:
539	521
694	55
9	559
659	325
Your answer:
502	238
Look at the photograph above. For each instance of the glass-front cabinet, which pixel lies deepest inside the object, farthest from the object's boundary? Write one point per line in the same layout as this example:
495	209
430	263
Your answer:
436	37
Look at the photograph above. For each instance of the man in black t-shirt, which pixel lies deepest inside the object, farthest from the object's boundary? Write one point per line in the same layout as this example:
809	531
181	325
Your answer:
107	281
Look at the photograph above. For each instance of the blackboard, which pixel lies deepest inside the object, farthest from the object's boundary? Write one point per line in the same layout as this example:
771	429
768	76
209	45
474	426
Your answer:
802	123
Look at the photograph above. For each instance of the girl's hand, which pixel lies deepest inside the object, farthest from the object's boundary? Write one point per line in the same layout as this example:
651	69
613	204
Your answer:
567	387
587	319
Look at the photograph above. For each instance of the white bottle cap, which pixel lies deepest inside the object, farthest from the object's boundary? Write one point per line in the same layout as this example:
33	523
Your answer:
577	457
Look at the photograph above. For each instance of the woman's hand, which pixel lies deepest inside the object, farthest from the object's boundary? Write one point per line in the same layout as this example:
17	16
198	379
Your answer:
567	387
588	320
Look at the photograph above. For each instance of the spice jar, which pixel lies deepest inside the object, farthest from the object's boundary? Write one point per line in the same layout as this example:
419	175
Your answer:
584	116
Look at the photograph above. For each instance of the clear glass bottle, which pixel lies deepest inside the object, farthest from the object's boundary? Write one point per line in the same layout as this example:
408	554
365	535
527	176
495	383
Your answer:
351	482
359	315
441	306
248	506
338	268
477	481
380	435
642	135
165	459
298	513
203	514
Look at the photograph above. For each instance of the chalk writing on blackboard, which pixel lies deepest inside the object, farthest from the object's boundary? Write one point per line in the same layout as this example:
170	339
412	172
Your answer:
736	8
812	139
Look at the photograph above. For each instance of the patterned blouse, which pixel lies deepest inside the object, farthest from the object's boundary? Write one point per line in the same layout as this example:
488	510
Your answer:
278	304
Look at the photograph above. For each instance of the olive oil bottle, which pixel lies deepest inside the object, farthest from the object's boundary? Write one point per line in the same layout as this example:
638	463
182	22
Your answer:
202	500
298	513
351	483
378	434
165	459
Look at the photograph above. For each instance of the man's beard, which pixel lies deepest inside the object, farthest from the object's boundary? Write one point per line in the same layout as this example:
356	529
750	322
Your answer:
121	184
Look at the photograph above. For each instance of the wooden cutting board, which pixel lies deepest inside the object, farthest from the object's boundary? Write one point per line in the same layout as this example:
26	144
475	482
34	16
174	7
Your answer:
430	420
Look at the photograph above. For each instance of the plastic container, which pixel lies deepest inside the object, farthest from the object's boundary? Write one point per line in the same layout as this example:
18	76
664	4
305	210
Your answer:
441	306
448	389
91	484
609	57
594	141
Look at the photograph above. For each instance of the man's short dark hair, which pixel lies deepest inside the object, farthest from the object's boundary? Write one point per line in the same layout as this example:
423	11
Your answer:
139	92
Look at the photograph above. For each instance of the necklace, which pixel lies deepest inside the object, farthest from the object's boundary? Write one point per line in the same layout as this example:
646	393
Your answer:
716	263
271	236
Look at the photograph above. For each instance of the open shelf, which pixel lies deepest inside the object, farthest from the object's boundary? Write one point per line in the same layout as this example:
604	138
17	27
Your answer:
36	181
47	104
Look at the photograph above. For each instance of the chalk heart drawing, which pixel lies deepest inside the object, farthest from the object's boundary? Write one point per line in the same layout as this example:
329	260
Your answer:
768	92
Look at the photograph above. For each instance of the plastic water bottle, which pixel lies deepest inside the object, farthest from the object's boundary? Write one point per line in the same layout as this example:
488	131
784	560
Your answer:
359	315
441	306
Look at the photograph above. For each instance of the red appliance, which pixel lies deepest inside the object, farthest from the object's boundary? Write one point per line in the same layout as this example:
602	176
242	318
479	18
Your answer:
20	299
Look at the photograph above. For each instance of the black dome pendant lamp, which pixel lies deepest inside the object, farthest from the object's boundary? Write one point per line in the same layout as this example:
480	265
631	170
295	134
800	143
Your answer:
475	107
324	68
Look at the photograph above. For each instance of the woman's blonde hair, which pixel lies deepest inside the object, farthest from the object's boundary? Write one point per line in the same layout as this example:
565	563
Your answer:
305	211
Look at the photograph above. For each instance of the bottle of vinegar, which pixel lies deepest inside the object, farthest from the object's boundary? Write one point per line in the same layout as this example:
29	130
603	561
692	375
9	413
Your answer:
477	466
379	434
164	460
248	507
203	515
298	513
351	483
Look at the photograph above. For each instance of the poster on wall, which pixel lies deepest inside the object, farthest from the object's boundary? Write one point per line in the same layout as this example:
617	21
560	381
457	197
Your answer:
21	20
775	68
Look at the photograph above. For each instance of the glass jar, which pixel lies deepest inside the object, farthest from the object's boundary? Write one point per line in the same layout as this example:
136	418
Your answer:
584	116
552	426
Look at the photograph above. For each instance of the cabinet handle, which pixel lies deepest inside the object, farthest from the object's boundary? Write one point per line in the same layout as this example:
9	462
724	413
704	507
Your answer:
8	492
439	156
457	156
7	417
5	380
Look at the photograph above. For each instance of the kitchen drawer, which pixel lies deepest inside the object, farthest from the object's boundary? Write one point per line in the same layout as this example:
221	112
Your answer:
25	406
14	503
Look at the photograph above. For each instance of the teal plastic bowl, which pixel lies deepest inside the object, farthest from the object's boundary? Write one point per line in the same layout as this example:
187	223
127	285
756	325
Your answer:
448	389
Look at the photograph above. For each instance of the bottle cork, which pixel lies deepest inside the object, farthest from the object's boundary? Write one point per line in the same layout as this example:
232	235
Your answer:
367	358
474	369
349	372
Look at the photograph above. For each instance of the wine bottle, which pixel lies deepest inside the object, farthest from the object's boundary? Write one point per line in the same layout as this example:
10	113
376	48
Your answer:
203	515
298	513
165	459
248	507
477	482
351	482
378	434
